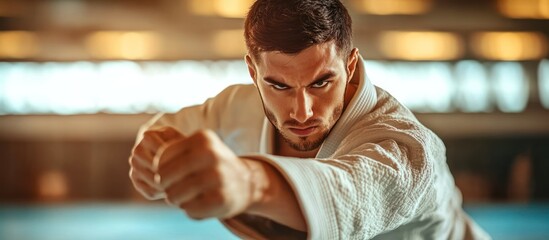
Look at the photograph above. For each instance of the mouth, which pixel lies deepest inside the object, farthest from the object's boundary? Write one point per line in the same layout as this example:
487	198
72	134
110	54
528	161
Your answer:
303	131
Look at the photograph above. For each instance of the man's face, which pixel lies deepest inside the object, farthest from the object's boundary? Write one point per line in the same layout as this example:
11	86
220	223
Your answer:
303	94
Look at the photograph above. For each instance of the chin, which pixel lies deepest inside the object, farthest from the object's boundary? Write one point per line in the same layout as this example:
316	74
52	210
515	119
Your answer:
307	143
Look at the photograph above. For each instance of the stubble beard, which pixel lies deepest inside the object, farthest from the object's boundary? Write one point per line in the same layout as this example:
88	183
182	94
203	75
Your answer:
306	144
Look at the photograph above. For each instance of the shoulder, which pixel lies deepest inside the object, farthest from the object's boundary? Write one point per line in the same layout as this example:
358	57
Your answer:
391	120
239	104
235	97
238	92
240	117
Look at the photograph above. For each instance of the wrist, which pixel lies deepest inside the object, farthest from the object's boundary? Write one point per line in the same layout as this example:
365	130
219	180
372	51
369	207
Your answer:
272	197
261	186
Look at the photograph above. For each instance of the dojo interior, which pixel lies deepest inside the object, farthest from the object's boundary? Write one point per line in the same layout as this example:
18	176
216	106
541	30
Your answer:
78	78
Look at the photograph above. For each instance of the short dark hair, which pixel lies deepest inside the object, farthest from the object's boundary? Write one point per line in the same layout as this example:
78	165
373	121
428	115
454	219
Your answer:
290	26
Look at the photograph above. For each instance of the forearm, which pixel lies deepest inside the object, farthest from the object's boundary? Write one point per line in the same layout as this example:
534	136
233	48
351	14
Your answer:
273	196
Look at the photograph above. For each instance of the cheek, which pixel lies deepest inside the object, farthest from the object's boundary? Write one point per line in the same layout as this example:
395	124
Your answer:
274	103
327	103
324	107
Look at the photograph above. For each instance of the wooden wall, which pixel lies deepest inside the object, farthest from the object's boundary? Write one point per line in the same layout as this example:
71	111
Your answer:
84	158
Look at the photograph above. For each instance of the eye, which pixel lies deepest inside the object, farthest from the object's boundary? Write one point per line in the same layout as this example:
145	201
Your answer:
320	84
279	86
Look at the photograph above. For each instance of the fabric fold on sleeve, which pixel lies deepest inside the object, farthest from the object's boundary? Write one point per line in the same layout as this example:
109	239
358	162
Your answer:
353	195
313	197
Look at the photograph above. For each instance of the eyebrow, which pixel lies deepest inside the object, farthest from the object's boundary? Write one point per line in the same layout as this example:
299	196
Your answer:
323	77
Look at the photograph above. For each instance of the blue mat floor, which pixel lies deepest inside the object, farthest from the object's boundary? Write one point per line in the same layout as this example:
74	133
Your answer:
146	221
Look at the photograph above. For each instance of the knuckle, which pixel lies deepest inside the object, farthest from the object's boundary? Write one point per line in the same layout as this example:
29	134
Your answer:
149	133
162	129
208	132
143	188
132	161
195	214
201	136
134	174
206	136
170	131
138	149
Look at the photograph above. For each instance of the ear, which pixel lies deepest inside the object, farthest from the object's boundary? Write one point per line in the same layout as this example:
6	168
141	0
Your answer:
251	68
352	63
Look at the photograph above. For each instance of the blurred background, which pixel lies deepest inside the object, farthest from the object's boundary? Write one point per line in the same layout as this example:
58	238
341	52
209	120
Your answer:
78	77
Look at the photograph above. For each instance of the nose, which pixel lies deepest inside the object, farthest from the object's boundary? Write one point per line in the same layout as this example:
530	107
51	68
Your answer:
303	107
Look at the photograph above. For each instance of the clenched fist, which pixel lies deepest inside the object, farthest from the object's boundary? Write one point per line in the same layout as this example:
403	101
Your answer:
142	171
199	173
202	176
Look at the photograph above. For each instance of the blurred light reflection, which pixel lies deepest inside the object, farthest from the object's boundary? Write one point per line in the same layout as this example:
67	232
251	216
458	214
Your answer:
421	45
509	46
124	87
423	87
222	8
472	87
537	9
52	185
543	81
230	43
510	86
123	45
393	7
18	44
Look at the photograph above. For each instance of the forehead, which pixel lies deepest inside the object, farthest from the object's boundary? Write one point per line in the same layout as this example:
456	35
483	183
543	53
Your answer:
313	60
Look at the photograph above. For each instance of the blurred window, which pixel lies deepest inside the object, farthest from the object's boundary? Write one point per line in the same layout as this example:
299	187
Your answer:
544	83
472	87
126	87
510	86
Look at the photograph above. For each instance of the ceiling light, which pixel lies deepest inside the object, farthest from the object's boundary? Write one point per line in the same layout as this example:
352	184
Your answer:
421	45
230	43
222	8
537	9
123	45
18	44
509	46
392	7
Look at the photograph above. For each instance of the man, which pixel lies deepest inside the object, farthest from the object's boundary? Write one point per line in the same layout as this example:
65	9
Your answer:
311	149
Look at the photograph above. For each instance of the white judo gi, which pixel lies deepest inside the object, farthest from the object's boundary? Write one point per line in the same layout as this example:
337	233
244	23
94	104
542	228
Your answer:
379	174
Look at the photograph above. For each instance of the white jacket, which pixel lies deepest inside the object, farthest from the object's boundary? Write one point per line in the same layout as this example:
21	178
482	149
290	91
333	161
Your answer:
379	174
